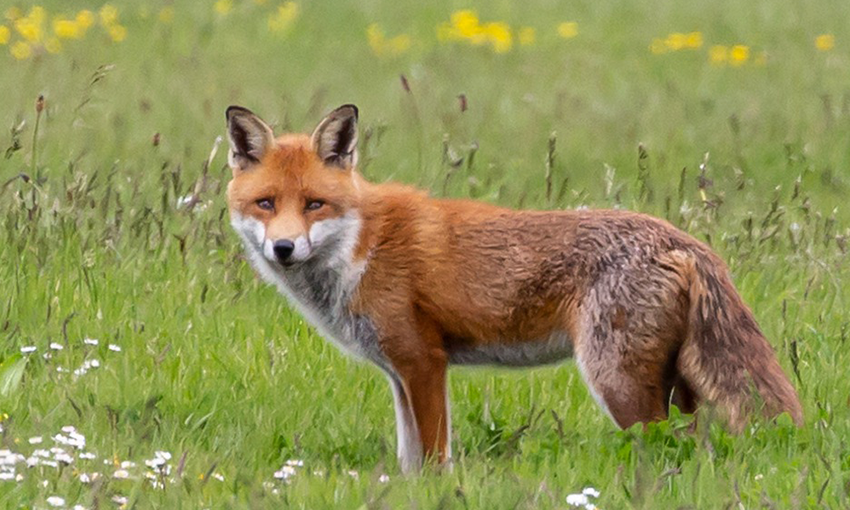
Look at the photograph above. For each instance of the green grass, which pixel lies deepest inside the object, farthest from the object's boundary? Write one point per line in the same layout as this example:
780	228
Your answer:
217	370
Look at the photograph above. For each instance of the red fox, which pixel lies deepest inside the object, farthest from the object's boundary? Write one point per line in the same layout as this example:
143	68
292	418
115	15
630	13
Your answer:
415	284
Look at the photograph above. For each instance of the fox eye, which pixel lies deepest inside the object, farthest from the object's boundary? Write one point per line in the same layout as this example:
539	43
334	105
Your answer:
265	204
313	205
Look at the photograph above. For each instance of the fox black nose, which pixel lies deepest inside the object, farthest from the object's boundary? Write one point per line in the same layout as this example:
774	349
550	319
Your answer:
283	248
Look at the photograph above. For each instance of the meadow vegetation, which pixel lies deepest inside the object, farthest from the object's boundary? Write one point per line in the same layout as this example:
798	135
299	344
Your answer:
137	343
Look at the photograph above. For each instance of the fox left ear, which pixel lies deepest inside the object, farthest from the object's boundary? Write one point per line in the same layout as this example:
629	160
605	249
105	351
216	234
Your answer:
335	138
249	138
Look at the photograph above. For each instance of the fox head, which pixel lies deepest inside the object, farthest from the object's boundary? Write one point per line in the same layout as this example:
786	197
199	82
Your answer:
294	198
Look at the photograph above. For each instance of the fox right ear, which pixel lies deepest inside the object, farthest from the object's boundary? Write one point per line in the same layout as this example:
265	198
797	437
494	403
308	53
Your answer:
335	138
249	138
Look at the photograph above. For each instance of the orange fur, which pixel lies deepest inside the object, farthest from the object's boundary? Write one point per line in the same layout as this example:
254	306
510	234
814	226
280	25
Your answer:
646	309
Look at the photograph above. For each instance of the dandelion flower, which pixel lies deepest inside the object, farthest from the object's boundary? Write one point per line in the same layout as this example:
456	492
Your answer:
29	28
5	34
466	23
568	29
694	40
676	41
739	54
375	36
500	36
84	19
67	29
825	42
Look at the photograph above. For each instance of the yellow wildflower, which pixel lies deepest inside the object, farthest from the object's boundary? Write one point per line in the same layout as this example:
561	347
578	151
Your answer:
694	40
166	15
5	34
499	34
284	17
84	19
676	41
222	7
21	50
108	14
66	29
52	45
375	36
718	54
117	32
527	36
13	13
29	27
825	42
658	47
399	44
568	29
739	54
382	46
466	23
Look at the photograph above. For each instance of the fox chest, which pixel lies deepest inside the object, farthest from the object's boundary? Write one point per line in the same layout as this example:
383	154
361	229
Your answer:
322	294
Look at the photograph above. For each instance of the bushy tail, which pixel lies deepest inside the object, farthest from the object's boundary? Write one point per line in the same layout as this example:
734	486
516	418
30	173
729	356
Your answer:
725	357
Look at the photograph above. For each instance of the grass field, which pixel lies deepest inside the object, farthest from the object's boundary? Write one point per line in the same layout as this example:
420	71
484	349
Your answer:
730	119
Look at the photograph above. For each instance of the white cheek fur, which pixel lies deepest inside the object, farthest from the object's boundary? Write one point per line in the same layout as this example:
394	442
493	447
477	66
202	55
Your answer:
251	230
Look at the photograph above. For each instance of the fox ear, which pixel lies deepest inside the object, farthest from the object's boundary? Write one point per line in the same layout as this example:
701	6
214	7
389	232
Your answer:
335	138
249	138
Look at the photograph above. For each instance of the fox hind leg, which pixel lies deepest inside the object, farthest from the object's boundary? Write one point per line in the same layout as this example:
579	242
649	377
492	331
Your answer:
629	330
628	398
